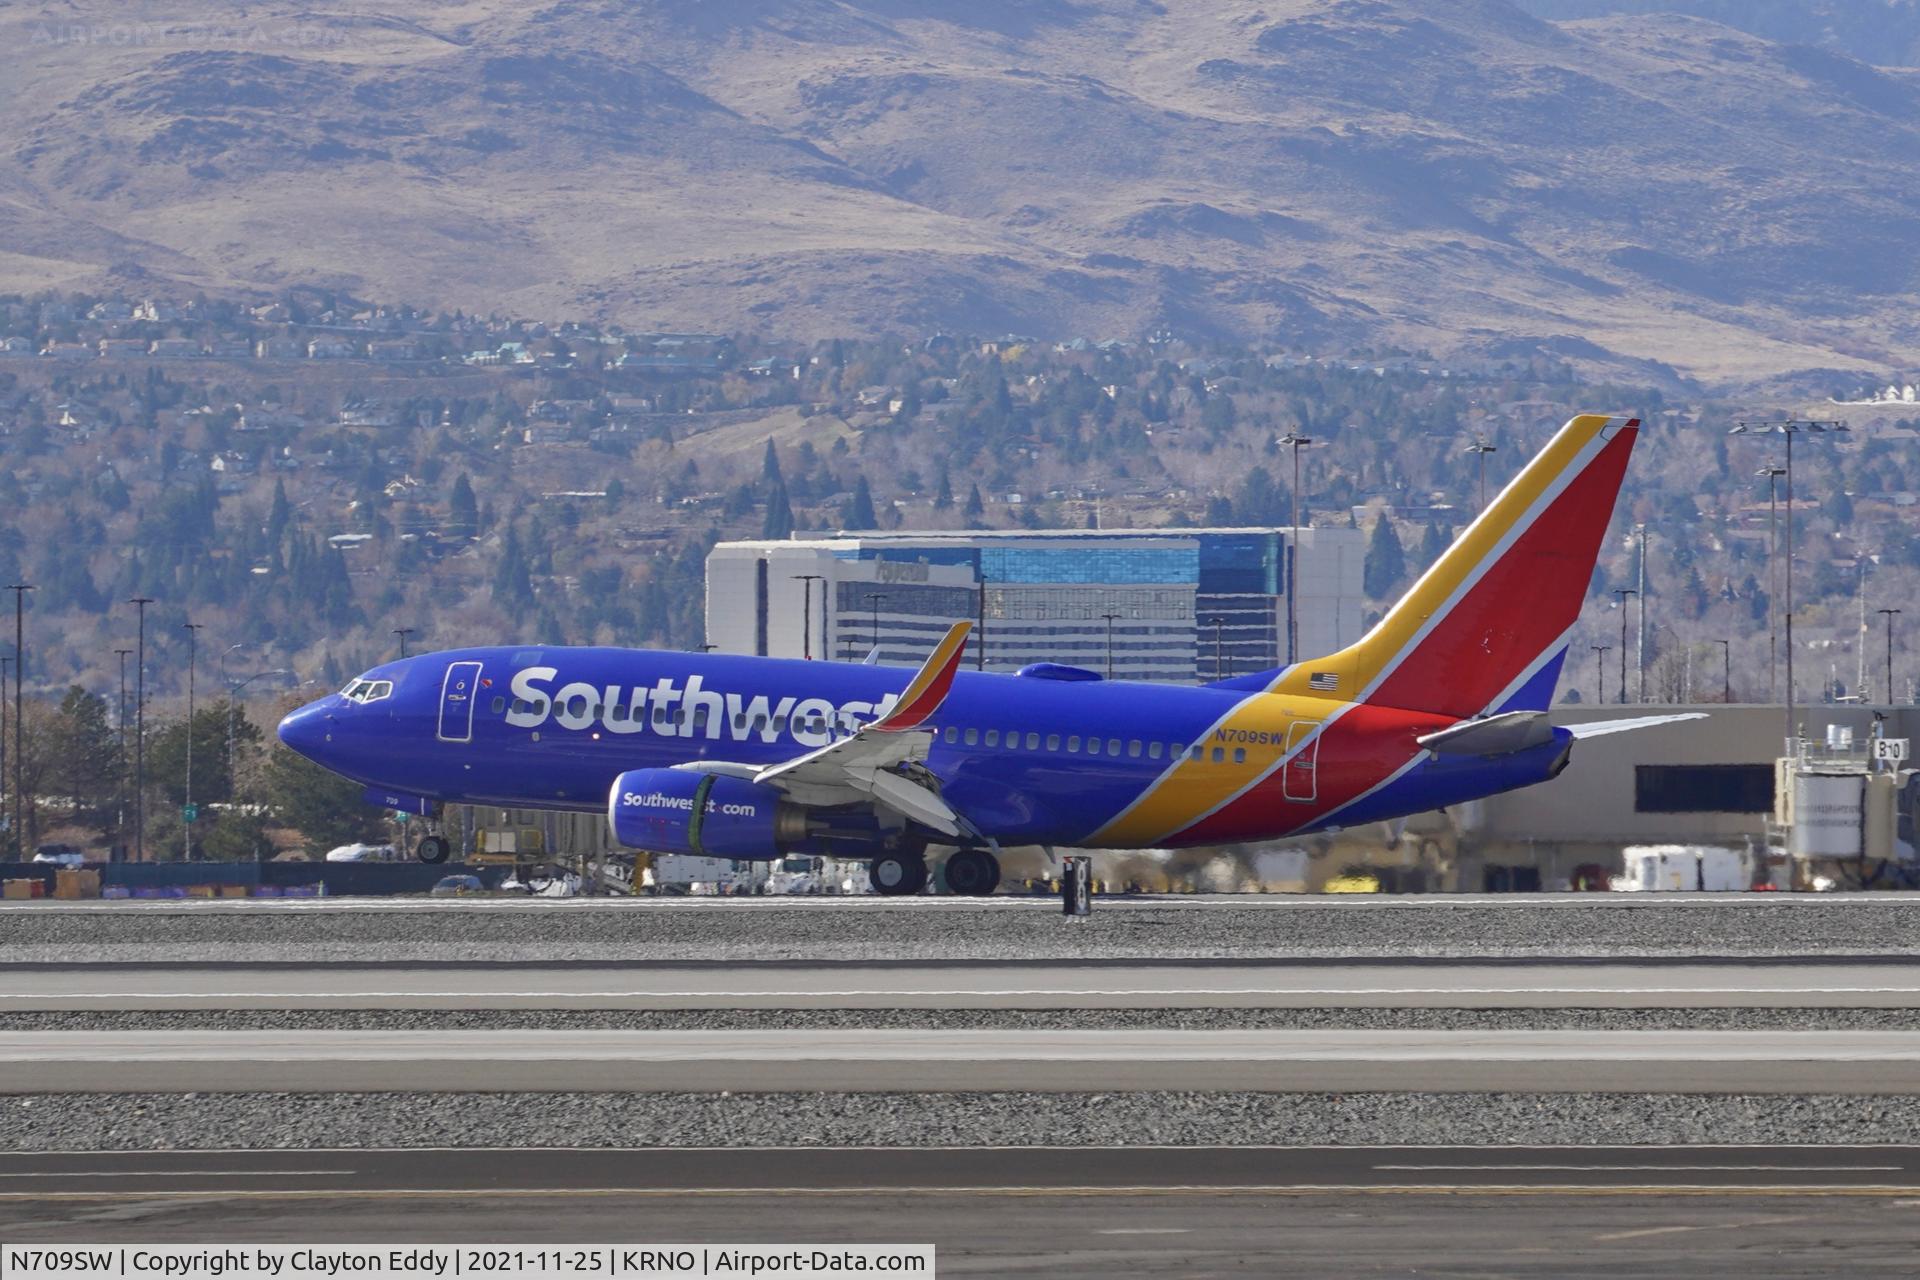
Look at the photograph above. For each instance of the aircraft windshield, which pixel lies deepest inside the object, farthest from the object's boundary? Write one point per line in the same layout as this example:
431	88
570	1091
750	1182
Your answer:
367	690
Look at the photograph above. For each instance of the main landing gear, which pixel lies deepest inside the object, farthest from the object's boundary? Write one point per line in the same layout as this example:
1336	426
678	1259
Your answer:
432	849
972	873
897	875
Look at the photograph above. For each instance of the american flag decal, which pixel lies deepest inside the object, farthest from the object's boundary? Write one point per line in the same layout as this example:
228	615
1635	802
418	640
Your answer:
1326	681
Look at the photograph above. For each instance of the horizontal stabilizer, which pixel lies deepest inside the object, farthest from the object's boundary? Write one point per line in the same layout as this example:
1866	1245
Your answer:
1601	728
1492	736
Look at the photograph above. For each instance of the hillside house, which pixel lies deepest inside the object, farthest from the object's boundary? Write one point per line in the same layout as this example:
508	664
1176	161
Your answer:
277	349
332	349
175	349
122	348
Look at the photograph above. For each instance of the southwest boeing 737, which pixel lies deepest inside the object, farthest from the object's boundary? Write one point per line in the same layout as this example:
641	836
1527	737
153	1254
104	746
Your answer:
1444	701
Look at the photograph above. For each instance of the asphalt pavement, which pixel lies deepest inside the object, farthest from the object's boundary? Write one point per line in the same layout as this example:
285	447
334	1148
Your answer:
507	1172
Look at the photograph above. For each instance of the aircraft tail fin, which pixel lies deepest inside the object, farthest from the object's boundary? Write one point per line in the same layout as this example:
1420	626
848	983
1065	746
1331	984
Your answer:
1484	630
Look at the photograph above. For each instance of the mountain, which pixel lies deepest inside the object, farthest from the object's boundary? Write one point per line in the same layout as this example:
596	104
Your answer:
1632	191
1883	32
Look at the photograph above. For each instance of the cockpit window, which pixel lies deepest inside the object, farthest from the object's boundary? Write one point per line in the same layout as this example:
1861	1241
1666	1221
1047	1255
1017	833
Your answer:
364	691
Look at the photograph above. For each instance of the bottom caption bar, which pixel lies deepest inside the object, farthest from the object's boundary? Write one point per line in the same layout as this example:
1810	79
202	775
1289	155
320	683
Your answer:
450	1262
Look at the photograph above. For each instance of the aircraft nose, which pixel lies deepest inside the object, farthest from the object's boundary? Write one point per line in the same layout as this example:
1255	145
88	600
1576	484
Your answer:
305	731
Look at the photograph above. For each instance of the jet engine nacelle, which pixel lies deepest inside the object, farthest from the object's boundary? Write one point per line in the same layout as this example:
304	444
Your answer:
709	815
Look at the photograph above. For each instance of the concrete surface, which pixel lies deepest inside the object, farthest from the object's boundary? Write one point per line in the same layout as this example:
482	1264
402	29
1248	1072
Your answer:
1177	985
1746	1062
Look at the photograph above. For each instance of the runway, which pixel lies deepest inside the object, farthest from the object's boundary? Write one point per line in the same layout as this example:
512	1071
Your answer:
854	1059
1884	984
509	1172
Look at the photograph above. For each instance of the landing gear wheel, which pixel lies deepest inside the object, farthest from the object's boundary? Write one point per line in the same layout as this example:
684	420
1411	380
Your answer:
897	875
972	873
432	849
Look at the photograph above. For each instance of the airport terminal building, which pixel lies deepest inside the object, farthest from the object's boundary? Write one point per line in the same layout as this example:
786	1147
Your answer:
1172	605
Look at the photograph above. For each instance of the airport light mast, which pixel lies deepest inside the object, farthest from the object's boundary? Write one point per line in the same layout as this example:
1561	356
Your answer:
1773	475
140	603
1297	442
187	811
1110	617
1481	448
1600	652
806	581
1787	429
19	590
1889	615
1623	593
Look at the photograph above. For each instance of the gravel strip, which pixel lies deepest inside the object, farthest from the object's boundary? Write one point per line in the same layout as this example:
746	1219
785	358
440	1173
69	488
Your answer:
1808	1019
79	1122
1606	928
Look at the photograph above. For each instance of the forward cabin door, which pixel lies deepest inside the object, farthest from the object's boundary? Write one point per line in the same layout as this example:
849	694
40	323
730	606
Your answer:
458	692
1300	779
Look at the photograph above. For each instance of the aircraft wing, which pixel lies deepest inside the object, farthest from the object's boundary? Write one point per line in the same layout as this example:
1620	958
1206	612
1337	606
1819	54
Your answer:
867	763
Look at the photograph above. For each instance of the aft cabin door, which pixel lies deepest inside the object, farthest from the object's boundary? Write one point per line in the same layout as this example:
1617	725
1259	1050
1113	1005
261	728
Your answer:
458	693
1300	779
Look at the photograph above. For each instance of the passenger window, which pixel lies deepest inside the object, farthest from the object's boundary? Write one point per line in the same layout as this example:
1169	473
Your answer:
1073	743
993	737
1033	742
1219	754
1113	746
1013	739
1133	747
499	704
740	720
1053	742
1239	755
1153	751
952	735
973	737
780	724
759	724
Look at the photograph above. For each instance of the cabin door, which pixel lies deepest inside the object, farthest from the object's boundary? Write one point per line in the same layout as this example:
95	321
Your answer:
458	693
1300	779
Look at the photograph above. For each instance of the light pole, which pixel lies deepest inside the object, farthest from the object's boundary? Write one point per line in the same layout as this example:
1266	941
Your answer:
1623	593
1297	441
1889	615
1217	621
187	814
1787	429
1726	672
1482	448
1600	652
19	590
874	600
980	629
140	603
1110	617
806	581
403	633
120	818
4	664
1773	475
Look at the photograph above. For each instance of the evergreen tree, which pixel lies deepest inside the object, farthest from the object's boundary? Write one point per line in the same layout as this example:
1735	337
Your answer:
84	758
463	511
770	465
279	515
943	495
779	522
512	580
1433	544
859	513
1386	560
321	805
976	508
